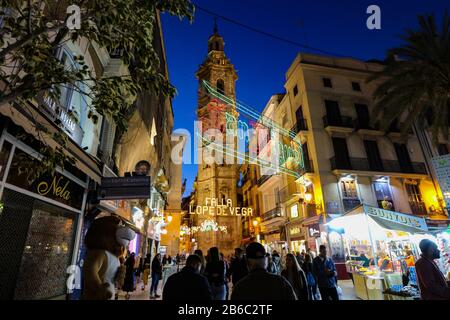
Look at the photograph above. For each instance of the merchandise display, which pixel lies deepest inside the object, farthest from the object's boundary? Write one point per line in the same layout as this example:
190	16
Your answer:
443	242
380	258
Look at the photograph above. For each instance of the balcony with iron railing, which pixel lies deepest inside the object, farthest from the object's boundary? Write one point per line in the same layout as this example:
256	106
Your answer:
288	192
364	124
363	164
274	213
342	121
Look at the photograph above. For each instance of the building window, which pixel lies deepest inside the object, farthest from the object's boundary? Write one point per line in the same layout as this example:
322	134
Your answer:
277	196
356	86
415	197
443	149
349	194
295	90
294	211
220	86
383	195
327	83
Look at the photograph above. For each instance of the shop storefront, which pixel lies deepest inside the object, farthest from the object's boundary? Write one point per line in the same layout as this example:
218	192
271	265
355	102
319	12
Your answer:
40	222
381	247
296	237
273	242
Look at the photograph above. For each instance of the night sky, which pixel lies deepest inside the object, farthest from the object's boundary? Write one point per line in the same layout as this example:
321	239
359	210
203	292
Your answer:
338	27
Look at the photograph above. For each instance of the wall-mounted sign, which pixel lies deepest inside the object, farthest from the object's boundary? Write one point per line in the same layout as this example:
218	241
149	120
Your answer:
397	217
441	165
56	187
220	207
314	231
136	187
296	231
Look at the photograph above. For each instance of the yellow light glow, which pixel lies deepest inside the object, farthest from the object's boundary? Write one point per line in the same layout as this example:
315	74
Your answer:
308	197
255	223
169	218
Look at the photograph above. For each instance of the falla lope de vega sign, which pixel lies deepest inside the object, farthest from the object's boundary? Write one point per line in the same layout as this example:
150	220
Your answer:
220	207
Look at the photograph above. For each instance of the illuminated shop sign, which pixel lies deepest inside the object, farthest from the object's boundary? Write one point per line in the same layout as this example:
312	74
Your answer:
295	230
220	207
397	217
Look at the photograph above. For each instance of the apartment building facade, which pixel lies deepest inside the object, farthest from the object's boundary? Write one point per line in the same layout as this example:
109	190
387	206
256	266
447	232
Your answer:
351	161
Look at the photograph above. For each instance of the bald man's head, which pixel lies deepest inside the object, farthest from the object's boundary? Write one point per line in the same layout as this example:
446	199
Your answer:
429	249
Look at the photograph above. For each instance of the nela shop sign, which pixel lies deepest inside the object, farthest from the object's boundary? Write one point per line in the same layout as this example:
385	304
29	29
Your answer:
52	186
220	207
397	217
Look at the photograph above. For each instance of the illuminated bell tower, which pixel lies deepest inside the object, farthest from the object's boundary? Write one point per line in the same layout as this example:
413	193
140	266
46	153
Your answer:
218	180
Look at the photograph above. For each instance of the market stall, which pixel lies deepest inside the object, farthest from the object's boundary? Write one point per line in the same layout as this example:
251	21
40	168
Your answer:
381	247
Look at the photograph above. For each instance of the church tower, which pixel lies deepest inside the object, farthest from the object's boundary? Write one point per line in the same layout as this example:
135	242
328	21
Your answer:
218	180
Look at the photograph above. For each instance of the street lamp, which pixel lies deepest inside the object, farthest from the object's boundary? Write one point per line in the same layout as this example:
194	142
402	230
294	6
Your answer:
169	218
255	223
308	197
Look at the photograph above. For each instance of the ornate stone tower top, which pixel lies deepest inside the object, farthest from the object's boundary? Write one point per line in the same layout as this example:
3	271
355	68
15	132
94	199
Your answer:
216	69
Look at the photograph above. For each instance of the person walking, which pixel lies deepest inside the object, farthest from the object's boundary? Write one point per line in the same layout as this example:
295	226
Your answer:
188	284
277	260
227	267
146	271
271	266
137	270
325	273
238	266
156	276
215	271
432	283
310	279
202	257
296	277
128	285
260	284
311	253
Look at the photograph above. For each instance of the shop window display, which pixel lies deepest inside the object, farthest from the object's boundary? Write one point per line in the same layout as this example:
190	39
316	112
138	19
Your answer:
443	242
47	253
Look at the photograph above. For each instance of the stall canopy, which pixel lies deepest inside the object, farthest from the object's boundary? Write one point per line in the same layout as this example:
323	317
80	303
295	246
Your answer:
392	220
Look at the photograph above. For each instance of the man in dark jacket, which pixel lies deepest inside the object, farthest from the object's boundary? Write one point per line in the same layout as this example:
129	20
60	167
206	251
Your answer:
188	284
259	284
238	266
432	283
325	273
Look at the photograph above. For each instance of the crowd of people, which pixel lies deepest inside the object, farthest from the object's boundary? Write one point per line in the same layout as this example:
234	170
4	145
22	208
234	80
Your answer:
142	269
254	274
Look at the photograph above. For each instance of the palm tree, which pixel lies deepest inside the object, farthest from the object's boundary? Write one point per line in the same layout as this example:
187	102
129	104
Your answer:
416	80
